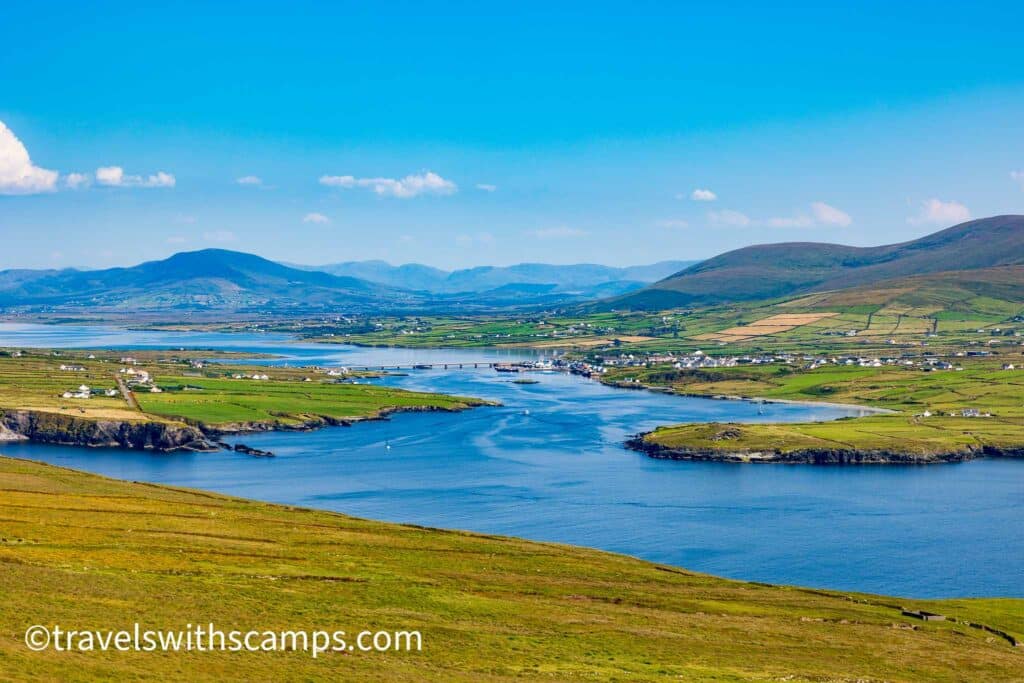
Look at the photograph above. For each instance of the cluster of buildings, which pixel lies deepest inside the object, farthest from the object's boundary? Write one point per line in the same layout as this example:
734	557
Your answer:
966	412
255	375
139	379
84	391
697	360
689	361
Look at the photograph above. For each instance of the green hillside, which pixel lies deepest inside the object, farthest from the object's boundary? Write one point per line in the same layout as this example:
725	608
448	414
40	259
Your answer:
776	270
85	552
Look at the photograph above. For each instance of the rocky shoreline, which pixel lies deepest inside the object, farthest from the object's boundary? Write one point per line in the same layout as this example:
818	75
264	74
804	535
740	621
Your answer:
153	435
819	456
70	430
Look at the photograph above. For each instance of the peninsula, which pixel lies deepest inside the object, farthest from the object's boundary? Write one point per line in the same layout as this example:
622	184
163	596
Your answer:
177	400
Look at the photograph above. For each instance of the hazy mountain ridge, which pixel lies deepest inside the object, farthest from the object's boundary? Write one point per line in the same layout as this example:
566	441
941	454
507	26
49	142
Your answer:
221	280
565	278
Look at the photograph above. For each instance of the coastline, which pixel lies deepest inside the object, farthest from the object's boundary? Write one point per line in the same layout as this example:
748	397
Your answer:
170	435
817	456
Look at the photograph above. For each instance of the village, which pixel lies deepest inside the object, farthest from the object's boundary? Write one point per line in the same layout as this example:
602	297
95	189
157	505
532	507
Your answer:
599	364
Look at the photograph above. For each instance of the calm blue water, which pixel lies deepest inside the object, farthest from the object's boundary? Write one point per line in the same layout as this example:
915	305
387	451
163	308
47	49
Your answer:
549	465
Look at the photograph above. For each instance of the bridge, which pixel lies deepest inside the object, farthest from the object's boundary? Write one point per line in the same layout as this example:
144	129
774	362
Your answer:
424	366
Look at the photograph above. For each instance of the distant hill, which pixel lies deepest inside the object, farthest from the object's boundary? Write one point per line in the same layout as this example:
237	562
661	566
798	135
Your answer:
409	276
214	279
777	270
581	280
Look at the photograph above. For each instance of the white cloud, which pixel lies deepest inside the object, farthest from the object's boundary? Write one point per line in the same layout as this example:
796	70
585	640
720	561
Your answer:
798	221
315	218
18	175
346	181
77	181
703	195
486	187
114	176
820	214
404	188
557	233
830	215
1018	176
940	212
176	239
673	223
249	180
729	217
219	236
485	239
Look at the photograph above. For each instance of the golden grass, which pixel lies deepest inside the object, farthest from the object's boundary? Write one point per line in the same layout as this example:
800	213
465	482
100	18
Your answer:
88	552
775	324
585	343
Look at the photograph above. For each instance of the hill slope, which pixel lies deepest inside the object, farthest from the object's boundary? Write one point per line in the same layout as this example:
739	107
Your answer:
774	270
965	291
87	552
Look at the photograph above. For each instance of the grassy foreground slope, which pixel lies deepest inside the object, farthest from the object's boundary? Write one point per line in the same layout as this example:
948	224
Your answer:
87	552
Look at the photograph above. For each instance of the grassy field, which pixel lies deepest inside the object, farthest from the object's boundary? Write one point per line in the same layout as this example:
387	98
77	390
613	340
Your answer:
211	395
911	392
85	552
219	402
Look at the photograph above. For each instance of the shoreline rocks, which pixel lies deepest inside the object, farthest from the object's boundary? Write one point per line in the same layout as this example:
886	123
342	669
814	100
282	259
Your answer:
153	435
255	452
817	456
71	430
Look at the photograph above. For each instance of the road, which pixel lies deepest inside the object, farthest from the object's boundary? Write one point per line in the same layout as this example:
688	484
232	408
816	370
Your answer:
129	397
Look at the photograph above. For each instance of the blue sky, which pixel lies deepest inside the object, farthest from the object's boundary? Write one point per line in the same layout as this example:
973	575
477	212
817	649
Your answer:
457	134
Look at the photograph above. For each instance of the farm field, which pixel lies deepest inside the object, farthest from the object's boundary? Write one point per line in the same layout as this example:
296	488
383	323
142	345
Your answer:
219	402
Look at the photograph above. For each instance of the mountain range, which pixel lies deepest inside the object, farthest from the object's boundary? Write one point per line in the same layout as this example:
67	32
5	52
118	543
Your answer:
979	256
218	280
788	269
583	279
